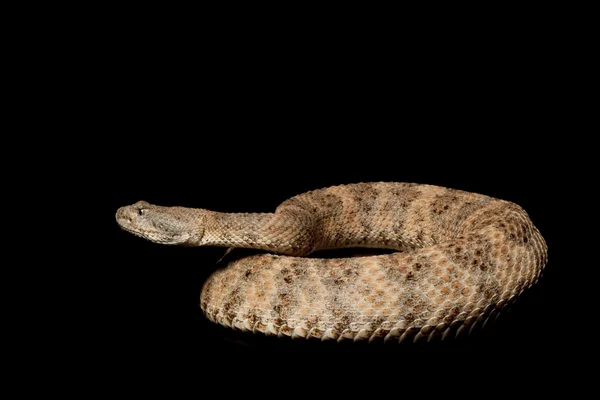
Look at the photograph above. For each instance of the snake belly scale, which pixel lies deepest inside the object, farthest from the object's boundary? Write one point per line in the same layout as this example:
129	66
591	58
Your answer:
461	257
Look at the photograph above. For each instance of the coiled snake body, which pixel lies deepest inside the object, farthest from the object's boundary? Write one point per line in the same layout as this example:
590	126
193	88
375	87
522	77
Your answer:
461	258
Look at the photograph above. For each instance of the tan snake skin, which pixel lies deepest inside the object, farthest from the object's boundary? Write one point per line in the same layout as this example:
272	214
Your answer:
462	258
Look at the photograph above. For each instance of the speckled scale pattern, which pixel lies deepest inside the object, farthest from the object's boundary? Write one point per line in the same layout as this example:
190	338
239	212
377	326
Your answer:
462	258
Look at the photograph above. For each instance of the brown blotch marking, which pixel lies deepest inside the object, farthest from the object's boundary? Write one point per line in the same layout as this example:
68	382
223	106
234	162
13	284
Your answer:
443	202
342	323
420	235
404	194
365	196
297	269
286	330
315	332
339	281
233	300
488	292
325	201
251	317
450	208
287	275
393	269
409	317
350	272
283	299
401	198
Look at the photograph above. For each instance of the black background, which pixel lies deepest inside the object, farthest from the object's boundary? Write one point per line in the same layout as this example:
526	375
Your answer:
243	128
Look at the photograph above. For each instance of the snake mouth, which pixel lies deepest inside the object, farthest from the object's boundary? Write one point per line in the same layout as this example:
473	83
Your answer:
155	236
124	220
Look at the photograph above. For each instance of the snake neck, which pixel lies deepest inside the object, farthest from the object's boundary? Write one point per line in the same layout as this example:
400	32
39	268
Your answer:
271	232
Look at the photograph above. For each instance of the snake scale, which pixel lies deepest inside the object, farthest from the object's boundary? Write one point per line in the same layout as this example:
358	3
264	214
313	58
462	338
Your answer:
461	258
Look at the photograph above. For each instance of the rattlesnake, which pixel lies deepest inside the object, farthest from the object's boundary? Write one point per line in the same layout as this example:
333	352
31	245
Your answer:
461	257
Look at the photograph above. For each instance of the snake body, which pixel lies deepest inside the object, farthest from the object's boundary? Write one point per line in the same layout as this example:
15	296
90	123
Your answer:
461	257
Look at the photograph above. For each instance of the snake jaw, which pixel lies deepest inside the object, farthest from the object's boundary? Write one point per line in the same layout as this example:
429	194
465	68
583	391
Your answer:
164	225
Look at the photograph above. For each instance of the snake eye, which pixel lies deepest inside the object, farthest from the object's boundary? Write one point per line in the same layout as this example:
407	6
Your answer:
141	211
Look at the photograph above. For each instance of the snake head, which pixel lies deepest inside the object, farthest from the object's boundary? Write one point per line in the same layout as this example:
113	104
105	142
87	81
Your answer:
165	225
